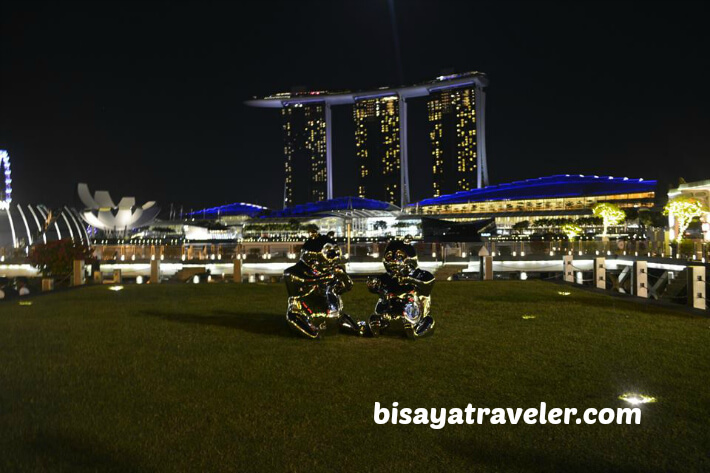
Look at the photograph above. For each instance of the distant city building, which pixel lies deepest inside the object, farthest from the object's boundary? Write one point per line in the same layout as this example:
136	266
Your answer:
376	137
377	148
563	197
305	153
115	219
543	205
454	131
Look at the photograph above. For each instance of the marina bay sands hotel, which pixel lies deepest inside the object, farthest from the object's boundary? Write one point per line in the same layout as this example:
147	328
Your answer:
455	105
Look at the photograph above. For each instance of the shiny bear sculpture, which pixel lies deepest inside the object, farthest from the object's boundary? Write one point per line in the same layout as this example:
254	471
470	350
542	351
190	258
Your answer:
314	286
405	293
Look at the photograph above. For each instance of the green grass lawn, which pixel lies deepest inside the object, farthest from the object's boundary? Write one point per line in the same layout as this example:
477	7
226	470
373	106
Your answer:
209	378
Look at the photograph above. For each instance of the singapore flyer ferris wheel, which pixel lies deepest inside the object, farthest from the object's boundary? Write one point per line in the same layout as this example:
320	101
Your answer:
6	190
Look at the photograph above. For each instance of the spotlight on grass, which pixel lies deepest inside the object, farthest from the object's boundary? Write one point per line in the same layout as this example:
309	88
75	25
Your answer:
115	288
25	302
636	399
563	293
528	317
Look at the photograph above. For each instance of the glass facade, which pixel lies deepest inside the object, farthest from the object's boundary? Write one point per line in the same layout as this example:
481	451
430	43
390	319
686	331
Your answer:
378	148
452	119
530	206
305	153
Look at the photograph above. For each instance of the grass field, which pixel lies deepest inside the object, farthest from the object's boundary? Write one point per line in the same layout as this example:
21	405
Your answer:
209	378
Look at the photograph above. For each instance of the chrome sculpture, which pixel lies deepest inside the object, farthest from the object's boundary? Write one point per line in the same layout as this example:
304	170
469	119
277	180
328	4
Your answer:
405	293
314	287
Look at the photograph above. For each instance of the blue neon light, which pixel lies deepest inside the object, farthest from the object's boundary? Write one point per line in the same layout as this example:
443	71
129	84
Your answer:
237	208
558	186
324	206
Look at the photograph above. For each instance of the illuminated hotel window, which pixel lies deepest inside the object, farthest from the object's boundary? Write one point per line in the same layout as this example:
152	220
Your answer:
305	153
377	147
453	129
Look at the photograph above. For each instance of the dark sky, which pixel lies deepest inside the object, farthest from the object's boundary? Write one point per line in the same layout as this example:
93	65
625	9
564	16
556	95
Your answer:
146	99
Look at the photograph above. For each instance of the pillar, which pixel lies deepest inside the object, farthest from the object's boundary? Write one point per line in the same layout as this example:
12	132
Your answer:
482	165
567	269
488	268
47	284
78	278
117	278
403	154
155	271
640	280
696	287
600	273
237	273
328	152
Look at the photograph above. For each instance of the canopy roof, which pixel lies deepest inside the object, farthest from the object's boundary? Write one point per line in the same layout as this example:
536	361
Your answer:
558	186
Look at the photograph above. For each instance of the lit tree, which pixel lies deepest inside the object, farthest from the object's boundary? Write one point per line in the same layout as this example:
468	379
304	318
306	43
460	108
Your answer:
521	226
684	210
572	230
611	214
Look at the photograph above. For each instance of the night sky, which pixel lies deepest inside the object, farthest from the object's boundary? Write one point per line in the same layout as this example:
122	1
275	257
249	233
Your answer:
146	99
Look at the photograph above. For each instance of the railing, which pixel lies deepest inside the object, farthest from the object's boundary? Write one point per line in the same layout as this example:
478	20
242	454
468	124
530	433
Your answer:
690	251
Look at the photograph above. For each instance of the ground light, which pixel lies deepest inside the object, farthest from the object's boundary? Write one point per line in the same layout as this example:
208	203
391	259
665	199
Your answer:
528	317
25	302
635	399
562	293
115	288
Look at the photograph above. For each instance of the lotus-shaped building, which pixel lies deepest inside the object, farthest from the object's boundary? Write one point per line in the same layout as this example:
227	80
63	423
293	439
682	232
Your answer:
102	213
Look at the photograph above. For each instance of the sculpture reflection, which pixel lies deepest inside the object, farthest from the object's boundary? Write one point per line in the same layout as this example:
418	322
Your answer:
405	293
314	287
